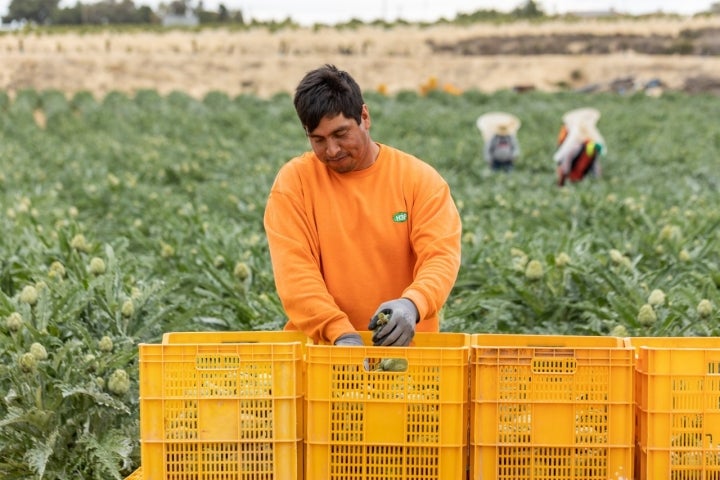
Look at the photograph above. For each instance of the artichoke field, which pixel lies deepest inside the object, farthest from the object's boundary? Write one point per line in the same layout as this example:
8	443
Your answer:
124	217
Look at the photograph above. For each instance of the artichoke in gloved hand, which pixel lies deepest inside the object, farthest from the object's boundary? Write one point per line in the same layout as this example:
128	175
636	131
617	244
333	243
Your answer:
394	323
388	364
382	319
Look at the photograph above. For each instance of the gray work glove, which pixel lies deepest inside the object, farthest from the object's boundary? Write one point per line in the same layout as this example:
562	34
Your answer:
394	323
349	340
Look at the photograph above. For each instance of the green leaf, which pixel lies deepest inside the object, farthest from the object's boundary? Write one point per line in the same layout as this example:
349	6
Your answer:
38	455
100	398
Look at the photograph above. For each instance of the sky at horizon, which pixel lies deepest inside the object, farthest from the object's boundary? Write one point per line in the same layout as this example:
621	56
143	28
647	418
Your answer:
331	11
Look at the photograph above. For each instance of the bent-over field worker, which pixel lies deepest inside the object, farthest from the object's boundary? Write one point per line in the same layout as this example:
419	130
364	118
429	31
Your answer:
501	145
579	146
357	228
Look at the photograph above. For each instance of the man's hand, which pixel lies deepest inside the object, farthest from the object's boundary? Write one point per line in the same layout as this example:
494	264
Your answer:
349	340
394	323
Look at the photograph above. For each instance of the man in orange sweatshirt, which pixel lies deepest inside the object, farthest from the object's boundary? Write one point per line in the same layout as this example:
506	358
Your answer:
357	228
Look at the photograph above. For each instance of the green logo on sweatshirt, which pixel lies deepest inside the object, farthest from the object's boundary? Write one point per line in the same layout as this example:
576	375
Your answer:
400	217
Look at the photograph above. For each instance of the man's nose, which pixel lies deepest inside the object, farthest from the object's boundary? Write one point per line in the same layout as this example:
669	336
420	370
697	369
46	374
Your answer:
332	148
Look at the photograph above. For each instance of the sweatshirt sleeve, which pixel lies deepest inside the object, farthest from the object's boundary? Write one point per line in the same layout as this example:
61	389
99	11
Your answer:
295	257
569	148
436	237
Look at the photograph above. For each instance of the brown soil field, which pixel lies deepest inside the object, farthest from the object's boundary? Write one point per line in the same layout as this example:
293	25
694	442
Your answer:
682	54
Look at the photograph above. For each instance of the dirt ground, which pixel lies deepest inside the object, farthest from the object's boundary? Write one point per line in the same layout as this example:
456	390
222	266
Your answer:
590	55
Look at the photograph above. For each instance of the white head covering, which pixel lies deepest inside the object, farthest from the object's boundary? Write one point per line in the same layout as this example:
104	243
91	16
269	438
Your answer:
581	127
581	115
500	123
583	122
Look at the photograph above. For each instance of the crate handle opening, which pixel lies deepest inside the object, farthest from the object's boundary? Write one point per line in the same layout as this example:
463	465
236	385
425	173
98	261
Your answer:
217	362
554	365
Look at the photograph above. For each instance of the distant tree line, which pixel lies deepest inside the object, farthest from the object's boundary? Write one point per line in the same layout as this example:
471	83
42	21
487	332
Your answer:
103	12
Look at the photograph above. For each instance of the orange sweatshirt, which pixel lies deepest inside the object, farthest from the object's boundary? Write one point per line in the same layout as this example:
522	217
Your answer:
341	244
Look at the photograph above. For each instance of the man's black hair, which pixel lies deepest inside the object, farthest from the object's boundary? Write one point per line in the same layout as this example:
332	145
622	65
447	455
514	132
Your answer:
327	91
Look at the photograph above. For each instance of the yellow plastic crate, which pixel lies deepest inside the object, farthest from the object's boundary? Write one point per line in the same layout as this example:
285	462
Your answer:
366	424
253	336
136	475
551	407
678	407
220	411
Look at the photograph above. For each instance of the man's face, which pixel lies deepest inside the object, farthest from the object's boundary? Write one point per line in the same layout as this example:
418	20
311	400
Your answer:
342	144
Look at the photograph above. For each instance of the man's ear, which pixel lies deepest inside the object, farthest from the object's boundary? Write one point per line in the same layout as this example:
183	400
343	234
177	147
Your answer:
365	116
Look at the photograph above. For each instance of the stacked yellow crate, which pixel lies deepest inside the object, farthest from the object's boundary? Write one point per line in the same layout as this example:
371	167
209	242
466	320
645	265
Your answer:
545	407
388	412
678	407
222	405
